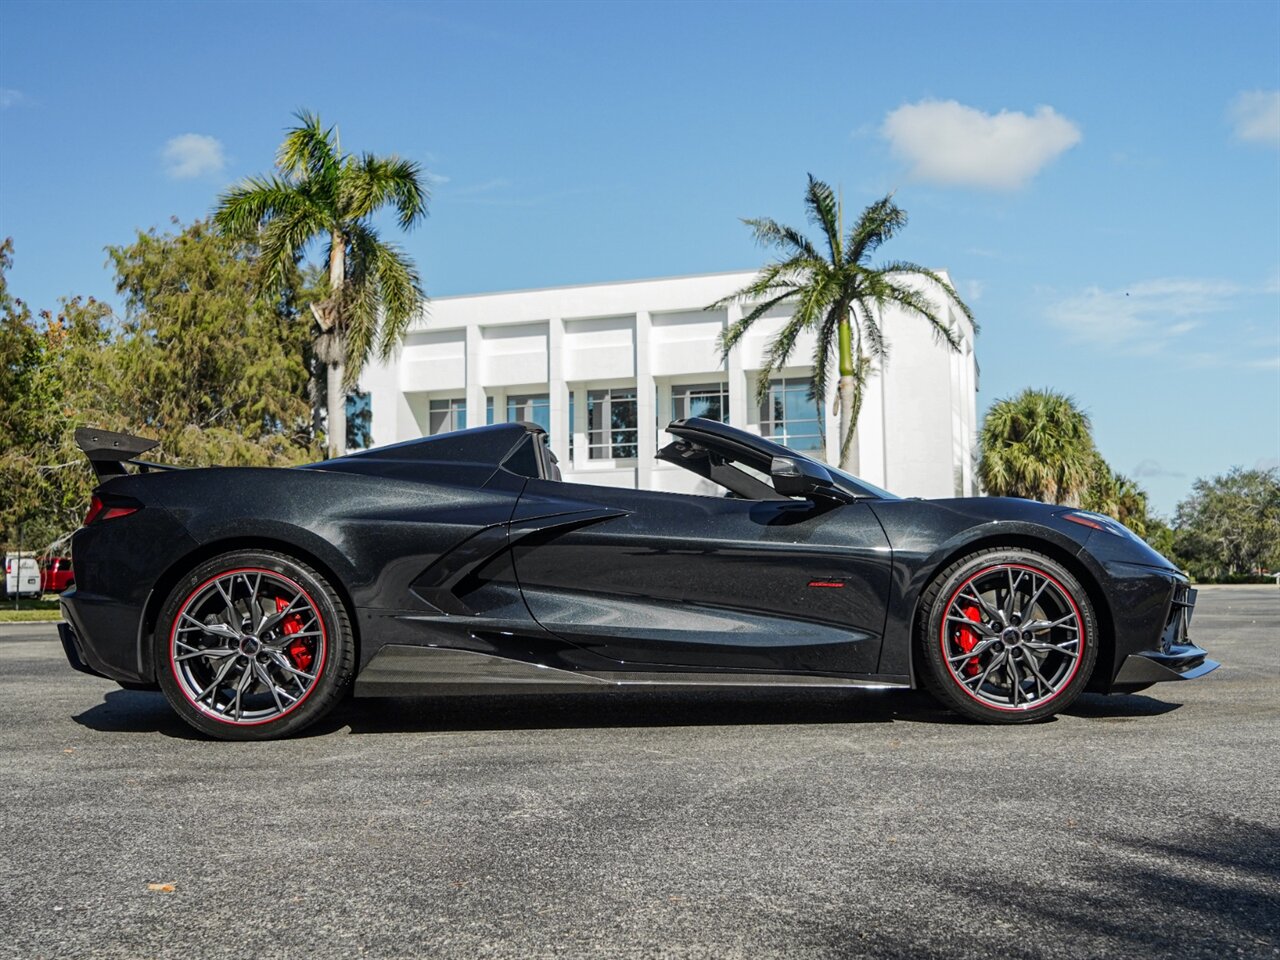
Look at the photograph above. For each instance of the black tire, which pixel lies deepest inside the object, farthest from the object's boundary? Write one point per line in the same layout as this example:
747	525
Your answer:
282	656
1015	675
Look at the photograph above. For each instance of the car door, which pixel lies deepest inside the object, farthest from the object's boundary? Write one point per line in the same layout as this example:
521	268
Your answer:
644	577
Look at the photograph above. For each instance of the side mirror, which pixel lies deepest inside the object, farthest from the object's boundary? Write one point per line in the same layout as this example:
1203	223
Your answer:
793	477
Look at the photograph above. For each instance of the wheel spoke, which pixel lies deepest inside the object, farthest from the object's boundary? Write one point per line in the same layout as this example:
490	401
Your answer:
1015	680
982	677
978	650
265	678
270	622
213	629
1040	626
226	597
1055	647
990	612
240	688
217	679
278	643
1030	603
1041	682
283	663
977	625
216	653
1007	611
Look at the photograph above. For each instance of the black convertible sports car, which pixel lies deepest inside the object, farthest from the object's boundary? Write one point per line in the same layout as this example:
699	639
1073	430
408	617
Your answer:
257	598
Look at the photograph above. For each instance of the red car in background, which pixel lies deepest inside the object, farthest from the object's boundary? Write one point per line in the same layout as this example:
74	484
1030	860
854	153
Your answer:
55	574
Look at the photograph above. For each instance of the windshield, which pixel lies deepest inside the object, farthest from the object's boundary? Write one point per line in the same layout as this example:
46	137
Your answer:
858	485
740	461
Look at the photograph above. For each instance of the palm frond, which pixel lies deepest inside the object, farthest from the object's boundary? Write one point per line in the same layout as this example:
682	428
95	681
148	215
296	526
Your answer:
907	267
770	233
282	241
811	306
386	293
242	208
868	323
369	182
824	211
877	224
310	149
824	345
885	290
730	336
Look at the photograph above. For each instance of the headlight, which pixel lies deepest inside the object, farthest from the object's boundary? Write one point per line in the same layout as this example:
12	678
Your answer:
1099	522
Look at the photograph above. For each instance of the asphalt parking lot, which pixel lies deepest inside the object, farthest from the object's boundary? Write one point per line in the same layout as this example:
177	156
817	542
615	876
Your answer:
797	824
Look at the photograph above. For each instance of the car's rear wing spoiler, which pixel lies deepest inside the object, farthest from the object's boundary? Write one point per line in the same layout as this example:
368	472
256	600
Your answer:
109	452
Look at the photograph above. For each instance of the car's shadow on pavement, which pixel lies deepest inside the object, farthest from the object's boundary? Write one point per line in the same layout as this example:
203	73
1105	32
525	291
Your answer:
136	711
687	708
128	711
1119	706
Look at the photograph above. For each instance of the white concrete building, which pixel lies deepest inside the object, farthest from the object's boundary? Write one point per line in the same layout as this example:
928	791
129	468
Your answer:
604	367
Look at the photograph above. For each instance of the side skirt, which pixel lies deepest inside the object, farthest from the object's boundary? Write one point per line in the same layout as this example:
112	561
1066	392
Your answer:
400	670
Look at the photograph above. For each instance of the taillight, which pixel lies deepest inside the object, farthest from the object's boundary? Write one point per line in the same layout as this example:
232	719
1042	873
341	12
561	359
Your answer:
100	511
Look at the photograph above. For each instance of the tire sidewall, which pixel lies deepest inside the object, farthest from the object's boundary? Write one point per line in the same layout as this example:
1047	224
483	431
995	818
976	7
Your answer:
938	677
335	670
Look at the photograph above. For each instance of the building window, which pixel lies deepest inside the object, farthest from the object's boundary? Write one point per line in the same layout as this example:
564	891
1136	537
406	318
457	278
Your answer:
611	424
709	400
531	409
789	417
447	415
488	411
359	421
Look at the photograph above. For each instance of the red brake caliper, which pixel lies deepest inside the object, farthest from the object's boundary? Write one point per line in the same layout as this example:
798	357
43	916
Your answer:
967	640
299	651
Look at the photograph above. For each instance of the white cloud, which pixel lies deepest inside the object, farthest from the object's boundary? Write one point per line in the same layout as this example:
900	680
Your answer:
947	142
191	155
1142	318
1153	468
1255	115
10	97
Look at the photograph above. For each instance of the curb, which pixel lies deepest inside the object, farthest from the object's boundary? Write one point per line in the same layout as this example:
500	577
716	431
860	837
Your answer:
10	626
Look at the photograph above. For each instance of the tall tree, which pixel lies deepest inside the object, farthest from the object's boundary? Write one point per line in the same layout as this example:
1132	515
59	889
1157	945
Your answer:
320	193
201	362
1037	445
204	361
838	296
1230	525
1117	496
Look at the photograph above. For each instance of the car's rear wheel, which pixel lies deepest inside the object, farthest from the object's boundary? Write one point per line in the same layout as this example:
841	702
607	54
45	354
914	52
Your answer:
1009	636
253	645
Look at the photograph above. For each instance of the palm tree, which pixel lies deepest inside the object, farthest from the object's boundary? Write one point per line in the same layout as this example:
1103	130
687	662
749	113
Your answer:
373	289
837	295
1037	445
1117	496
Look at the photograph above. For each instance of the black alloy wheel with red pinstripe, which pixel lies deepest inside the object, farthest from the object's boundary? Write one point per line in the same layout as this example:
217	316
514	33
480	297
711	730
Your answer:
1010	636
253	645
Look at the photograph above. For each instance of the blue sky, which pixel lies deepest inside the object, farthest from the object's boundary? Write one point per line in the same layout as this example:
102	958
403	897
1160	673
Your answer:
1102	180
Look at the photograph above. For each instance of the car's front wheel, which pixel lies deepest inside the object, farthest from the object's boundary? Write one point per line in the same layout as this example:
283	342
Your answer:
253	645
1009	636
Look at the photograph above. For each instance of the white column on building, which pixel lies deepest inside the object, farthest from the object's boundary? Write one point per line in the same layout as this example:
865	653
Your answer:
474	393
646	403
738	386
559	396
